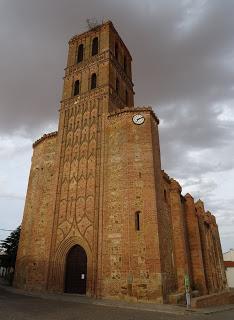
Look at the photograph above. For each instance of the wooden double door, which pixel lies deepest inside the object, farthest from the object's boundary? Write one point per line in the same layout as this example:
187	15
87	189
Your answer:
76	270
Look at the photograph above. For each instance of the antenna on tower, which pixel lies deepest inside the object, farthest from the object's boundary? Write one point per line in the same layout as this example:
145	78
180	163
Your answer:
92	23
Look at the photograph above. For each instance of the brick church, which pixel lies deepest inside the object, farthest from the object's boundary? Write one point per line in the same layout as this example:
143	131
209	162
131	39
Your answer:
101	217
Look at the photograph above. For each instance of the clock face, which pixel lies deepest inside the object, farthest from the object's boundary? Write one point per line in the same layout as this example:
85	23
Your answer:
138	119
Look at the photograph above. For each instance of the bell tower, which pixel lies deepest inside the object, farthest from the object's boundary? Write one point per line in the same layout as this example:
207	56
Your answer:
97	81
98	62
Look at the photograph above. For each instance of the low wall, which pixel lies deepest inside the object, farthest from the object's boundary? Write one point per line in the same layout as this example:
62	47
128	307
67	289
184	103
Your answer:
215	299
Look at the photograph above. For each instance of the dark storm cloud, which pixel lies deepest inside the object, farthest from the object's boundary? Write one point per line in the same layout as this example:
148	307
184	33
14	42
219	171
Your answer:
34	36
182	64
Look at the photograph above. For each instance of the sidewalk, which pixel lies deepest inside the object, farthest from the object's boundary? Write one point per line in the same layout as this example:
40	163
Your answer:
162	308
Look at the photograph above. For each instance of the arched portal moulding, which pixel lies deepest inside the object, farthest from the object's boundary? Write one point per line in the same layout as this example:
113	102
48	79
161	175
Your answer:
57	280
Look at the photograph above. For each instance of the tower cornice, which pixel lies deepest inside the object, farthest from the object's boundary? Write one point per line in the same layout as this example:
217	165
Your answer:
97	29
96	93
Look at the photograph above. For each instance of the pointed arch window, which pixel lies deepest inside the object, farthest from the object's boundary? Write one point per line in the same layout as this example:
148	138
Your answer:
93	81
76	88
95	46
80	55
117	85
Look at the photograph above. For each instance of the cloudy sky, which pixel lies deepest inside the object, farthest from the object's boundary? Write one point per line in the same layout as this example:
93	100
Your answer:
183	66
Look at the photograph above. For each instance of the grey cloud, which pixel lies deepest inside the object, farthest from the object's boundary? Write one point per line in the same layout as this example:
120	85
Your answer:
182	66
34	36
171	65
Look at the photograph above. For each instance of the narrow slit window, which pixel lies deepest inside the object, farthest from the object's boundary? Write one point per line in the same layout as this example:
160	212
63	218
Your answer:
117	85
137	220
76	87
125	64
93	81
95	46
126	98
165	196
116	52
80	54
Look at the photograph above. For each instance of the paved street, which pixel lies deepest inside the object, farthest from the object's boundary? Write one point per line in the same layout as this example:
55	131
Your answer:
15	306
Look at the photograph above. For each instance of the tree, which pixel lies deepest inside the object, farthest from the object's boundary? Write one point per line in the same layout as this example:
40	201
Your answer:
10	247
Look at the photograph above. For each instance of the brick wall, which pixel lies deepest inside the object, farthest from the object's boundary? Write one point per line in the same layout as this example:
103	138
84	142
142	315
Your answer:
33	253
132	259
197	266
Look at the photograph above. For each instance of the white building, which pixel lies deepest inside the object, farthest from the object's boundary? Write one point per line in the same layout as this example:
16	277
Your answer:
228	258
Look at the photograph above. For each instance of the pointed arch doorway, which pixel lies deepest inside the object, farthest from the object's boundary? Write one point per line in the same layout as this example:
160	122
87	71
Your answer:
76	270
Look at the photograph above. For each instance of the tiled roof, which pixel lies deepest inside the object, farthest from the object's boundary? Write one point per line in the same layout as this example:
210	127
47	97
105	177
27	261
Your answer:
229	264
